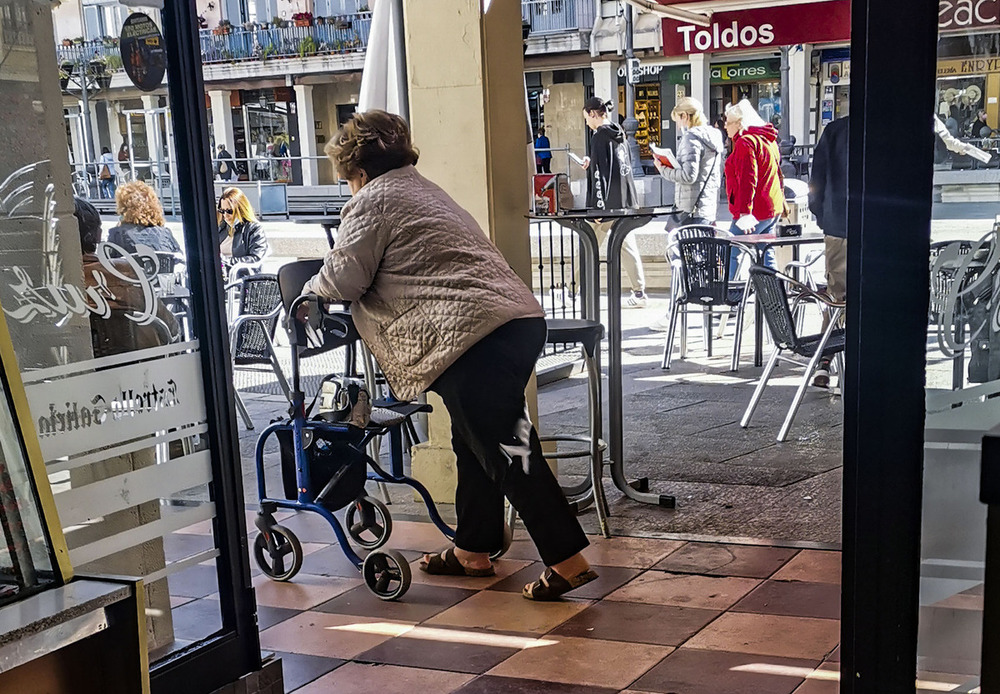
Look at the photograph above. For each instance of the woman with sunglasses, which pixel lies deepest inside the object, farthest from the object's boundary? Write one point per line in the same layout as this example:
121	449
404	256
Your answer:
241	237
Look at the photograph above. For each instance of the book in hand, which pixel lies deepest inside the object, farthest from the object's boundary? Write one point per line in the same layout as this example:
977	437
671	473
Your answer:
577	159
664	156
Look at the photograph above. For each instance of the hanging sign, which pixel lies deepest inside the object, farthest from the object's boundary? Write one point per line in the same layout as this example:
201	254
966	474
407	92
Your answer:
143	54
817	22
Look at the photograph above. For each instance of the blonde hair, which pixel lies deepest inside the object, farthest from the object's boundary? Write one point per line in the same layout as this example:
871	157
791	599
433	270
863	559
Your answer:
136	203
374	142
692	107
242	209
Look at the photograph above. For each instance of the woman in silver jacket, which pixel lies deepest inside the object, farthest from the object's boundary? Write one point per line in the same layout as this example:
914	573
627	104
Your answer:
442	311
699	155
698	175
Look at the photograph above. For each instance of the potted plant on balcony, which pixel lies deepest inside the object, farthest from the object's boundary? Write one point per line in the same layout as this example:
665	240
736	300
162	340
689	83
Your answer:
302	19
307	47
67	42
319	21
277	22
202	22
65	70
225	27
98	69
343	23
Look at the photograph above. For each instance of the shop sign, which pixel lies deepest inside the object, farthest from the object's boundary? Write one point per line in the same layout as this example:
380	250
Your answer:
967	66
959	15
643	70
730	73
144	56
776	26
90	406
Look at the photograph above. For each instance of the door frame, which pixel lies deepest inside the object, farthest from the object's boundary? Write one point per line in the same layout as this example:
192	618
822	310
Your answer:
235	651
887	272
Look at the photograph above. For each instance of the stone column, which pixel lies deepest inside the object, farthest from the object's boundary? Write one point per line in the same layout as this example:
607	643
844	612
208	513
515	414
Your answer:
467	112
114	129
307	133
701	78
799	93
606	84
222	121
153	147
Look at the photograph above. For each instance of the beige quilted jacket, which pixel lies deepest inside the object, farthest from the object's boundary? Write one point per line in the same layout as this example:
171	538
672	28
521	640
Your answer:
425	280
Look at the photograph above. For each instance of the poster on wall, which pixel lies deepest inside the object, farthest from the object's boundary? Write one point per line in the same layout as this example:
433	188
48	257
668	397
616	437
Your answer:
143	54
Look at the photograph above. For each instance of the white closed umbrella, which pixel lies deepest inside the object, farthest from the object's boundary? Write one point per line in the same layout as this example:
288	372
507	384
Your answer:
383	81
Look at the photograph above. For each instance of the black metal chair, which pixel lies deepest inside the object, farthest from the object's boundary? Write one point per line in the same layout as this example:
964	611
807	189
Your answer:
673	257
705	282
251	332
769	286
946	259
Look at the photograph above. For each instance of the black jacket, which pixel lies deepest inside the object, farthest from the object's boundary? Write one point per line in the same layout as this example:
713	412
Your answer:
828	183
128	236
249	244
605	177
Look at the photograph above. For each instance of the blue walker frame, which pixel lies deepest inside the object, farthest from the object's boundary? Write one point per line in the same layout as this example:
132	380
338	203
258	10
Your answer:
298	422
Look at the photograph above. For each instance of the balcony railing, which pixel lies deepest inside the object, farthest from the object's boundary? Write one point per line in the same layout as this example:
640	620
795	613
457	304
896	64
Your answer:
334	35
550	16
100	51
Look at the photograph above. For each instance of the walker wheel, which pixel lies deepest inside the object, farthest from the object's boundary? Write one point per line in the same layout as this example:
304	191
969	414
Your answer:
508	540
386	573
278	553
368	522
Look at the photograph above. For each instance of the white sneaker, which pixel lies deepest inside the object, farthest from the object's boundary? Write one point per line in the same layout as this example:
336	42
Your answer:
636	300
662	325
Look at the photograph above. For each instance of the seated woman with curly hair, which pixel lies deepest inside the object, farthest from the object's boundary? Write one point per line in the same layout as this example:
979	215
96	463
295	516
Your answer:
442	310
142	222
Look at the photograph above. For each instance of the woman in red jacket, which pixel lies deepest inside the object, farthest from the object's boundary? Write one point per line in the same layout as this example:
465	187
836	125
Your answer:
753	176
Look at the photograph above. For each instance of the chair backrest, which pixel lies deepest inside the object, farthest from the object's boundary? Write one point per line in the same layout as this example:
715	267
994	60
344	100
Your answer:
293	276
258	295
338	329
945	259
688	231
705	270
773	300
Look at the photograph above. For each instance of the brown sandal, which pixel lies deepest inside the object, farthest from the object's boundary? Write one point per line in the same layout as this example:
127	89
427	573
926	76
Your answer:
551	586
447	564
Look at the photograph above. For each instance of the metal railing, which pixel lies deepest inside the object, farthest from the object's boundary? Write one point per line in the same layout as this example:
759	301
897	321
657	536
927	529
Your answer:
102	53
548	16
335	35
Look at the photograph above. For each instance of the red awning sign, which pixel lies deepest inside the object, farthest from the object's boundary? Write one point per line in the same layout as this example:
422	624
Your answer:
775	26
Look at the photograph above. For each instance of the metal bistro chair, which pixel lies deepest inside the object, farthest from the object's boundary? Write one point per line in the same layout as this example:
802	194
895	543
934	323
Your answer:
705	282
946	257
769	286
673	257
252	330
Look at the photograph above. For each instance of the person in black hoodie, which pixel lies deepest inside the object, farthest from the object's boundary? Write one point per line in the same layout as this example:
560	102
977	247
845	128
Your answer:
241	237
828	201
609	189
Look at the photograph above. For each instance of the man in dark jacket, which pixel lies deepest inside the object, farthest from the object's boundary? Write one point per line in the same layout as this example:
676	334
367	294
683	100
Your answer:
828	201
224	164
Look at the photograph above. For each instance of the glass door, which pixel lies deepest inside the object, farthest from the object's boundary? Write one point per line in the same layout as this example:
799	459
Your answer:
923	367
113	297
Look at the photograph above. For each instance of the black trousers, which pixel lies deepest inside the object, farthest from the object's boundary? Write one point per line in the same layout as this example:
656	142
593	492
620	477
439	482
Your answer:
498	450
545	165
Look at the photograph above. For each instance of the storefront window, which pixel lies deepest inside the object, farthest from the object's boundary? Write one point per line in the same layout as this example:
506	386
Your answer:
96	286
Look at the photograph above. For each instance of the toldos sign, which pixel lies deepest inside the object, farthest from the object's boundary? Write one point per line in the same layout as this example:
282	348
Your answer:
761	28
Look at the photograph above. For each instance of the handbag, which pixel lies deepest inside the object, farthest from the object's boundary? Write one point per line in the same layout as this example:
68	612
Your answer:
680	219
